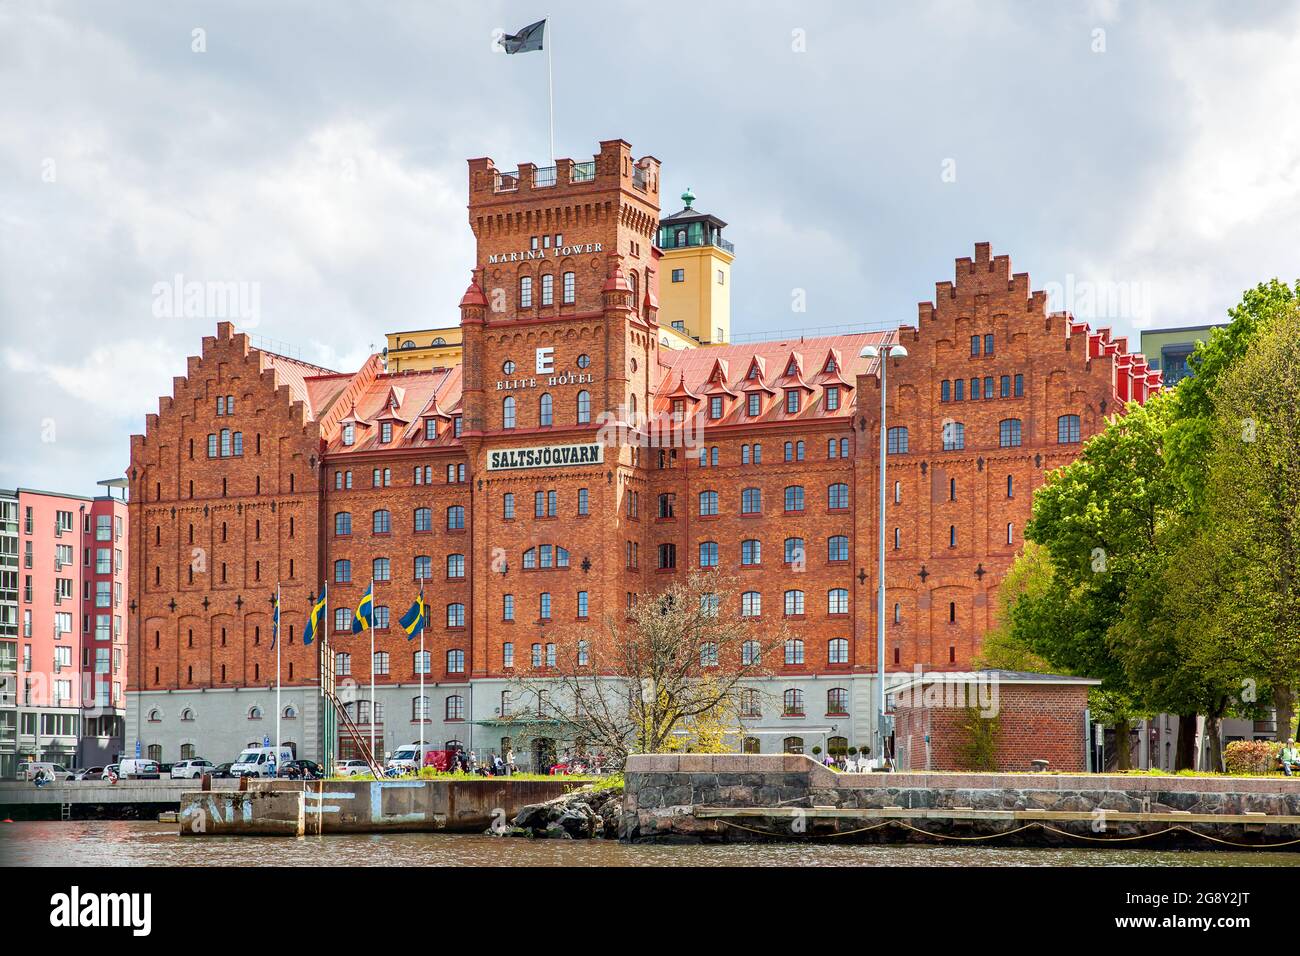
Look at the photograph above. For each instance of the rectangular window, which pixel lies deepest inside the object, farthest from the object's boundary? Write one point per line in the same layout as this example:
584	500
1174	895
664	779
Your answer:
507	607
945	391
792	401
988	344
568	288
679	275
959	390
1020	386
974	345
582	501
582	604
832	398
754	407
1004	386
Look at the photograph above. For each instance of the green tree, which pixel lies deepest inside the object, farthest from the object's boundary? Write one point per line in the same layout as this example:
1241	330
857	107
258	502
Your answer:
1253	508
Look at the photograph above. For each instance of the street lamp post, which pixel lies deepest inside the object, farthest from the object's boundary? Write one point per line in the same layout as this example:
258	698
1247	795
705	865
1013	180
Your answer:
883	353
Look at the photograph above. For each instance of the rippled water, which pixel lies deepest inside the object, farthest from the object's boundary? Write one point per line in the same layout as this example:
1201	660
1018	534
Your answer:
129	843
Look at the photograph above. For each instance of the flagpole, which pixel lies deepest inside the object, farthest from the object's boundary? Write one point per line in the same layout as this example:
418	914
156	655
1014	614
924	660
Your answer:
550	87
324	638
424	704
373	702
278	641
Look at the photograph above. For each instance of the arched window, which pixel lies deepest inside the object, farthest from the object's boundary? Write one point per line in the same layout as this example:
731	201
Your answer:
794	651
896	440
255	713
455	661
751	604
837	701
420	709
751	704
837	651
290	712
423	519
423	567
342	571
383	522
155	715
837	496
792	745
455	615
750	652
342	664
708	503
793	603
792	703
548	289
1067	429
837	548
525	292
546	410
837	601
456	518
187	714
342	523
794	498
1009	433
751	552
708	554
508	412
455	708
794	552
952	612
420	661
954	436
584	407
751	501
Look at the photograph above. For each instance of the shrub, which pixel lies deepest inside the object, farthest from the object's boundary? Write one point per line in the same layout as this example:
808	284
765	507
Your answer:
977	751
853	751
816	751
1257	757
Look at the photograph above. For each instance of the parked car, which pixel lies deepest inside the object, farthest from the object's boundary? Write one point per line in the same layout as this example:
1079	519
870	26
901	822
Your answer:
138	769
55	771
222	771
351	768
92	774
191	769
301	770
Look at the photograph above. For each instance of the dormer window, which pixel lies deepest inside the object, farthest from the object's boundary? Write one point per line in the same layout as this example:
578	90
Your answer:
832	397
386	432
715	406
792	400
679	408
456	426
830	365
792	368
755	404
431	429
349	433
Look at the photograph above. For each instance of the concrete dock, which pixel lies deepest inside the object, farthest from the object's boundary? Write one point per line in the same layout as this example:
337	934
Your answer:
284	808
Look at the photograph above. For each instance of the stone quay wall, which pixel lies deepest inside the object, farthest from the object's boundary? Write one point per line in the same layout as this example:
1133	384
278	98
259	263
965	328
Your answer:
664	792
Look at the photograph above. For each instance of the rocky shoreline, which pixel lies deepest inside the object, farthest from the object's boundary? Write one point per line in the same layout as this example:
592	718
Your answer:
584	814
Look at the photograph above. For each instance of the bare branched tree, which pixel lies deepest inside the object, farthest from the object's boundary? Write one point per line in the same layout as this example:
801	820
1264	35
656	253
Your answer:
680	657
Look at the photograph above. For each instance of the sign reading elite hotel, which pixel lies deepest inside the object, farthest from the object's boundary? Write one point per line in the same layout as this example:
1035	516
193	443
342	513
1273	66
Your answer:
546	456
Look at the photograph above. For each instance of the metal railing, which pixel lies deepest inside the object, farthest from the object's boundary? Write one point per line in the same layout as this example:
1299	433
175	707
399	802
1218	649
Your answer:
544	177
506	182
583	172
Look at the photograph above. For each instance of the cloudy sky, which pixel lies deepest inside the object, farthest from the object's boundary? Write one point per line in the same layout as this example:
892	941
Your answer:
1144	155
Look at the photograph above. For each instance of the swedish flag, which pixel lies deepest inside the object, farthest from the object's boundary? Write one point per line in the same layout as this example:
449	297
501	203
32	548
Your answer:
314	619
413	620
365	611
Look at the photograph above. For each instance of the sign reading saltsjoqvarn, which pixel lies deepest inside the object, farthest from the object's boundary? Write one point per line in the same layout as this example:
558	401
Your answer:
546	456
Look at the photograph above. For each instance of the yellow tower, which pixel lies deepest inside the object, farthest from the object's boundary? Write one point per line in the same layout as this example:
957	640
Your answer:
423	349
695	275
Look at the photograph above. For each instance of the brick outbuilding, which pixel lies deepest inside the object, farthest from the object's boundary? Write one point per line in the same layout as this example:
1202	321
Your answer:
1025	717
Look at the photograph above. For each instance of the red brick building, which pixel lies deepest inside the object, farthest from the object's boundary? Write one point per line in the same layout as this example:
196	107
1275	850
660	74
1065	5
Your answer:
495	483
1026	717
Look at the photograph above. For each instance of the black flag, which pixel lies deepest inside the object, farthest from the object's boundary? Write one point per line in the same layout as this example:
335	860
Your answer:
526	40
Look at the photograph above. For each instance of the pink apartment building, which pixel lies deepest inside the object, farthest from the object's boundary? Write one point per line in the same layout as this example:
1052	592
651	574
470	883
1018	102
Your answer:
63	589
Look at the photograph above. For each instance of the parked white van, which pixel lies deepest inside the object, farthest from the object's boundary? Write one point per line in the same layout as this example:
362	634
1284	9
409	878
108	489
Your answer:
256	761
54	772
405	758
137	769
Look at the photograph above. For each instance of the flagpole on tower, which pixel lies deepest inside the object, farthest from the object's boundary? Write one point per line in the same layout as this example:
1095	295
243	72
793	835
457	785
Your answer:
550	87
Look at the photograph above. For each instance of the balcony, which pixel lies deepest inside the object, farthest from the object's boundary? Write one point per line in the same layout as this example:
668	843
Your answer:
583	172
